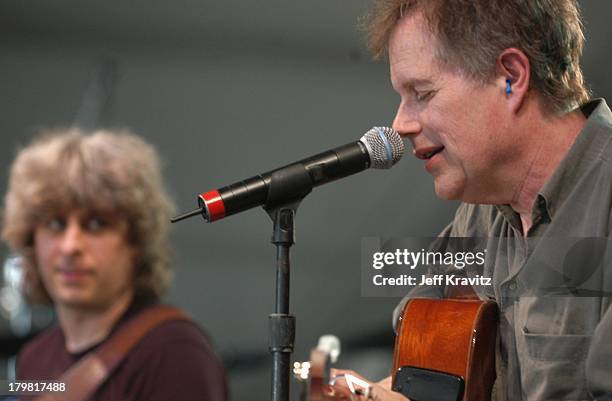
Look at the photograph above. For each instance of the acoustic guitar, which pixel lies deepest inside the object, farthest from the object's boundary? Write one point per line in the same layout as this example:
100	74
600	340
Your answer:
444	351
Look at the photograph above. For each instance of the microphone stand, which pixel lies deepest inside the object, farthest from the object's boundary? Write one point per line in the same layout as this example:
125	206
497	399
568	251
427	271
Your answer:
295	180
281	323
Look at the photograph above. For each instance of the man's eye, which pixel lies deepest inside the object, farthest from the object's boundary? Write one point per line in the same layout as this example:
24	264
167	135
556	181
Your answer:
425	95
56	224
95	224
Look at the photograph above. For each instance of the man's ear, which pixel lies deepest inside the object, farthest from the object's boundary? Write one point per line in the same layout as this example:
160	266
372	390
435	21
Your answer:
513	77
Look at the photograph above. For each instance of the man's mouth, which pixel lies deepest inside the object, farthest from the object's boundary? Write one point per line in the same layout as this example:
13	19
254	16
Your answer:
427	152
73	271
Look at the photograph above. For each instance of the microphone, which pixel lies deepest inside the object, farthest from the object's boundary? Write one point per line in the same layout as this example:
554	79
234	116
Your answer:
379	148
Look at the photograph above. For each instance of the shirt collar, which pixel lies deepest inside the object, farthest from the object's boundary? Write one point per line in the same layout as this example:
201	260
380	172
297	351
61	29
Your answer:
586	151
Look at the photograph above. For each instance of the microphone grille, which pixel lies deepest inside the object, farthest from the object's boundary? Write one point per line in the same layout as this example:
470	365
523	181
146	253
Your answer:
384	146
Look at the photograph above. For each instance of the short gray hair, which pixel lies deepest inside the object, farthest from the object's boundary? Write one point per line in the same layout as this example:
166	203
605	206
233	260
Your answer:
472	33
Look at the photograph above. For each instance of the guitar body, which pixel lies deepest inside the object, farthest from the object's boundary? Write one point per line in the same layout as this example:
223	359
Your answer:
455	336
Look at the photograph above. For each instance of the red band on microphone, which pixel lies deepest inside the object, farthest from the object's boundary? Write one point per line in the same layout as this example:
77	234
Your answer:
214	205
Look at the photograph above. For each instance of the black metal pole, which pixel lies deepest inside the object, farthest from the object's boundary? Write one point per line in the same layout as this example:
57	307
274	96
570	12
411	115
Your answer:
282	324
295	179
283	276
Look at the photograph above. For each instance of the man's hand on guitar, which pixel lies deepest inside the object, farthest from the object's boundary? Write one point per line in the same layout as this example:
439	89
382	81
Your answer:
349	385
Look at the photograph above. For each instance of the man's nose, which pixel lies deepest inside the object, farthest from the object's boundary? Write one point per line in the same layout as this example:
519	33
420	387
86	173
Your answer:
405	123
72	239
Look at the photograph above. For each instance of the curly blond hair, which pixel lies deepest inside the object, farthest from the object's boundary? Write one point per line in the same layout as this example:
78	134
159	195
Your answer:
472	33
108	171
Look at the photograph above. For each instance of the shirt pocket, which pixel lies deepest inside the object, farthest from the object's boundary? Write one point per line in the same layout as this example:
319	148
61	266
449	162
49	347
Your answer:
557	347
553	366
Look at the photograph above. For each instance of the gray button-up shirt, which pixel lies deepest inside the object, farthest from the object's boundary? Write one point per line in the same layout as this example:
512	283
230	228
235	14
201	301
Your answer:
553	287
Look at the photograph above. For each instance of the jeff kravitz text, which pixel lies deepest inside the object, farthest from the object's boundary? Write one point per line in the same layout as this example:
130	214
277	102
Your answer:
433	280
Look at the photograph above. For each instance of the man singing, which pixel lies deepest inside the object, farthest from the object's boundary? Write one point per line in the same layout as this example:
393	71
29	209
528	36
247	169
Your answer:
493	100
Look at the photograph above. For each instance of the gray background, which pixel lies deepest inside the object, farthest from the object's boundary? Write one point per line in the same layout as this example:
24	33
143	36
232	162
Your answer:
226	90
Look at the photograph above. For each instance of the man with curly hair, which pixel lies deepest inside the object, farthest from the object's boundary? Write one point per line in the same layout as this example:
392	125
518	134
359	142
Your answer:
89	216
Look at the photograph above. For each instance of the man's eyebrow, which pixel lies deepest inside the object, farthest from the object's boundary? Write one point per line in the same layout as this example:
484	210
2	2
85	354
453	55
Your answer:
411	83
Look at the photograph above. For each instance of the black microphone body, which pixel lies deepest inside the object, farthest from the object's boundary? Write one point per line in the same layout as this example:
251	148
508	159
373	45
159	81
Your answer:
380	148
285	184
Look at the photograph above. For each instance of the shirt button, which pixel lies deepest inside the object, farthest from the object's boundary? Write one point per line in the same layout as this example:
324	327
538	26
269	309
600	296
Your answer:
512	286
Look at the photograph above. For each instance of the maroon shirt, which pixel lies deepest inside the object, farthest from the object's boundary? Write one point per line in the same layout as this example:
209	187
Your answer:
174	361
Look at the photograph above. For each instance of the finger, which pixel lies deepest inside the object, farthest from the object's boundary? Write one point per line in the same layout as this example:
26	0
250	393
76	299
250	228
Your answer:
350	383
339	372
379	393
330	394
339	384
